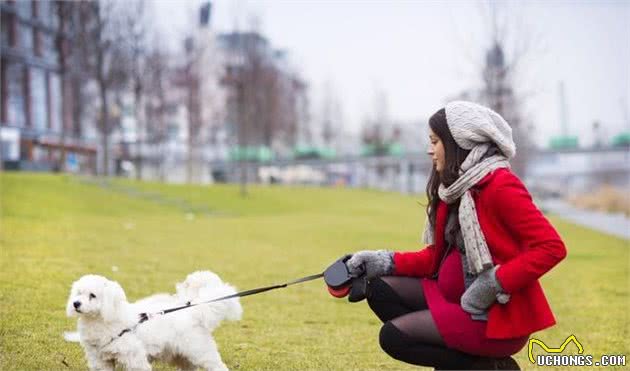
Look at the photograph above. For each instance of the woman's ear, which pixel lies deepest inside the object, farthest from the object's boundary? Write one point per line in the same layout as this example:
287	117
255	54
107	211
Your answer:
70	312
112	302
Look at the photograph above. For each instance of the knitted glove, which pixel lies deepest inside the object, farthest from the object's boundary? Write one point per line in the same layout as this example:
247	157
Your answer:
484	290
372	263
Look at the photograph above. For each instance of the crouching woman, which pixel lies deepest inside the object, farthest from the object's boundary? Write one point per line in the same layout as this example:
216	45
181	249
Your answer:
471	298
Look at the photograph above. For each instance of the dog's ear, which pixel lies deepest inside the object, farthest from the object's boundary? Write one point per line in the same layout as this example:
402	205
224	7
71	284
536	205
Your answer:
112	302
70	312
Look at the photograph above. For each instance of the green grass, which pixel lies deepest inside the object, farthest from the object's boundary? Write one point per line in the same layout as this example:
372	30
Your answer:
56	228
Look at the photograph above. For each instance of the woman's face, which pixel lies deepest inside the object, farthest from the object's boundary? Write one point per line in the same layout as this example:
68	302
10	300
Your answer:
436	151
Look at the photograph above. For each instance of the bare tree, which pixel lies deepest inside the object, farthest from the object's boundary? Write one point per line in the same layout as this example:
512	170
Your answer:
157	103
303	130
269	102
295	107
189	81
268	99
65	12
507	50
136	25
72	53
251	46
377	132
331	120
282	99
107	62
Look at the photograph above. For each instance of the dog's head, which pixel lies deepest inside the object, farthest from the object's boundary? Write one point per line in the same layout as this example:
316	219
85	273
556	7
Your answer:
96	296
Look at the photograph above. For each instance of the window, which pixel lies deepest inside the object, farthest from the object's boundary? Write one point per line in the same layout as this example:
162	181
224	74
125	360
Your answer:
37	42
38	99
4	99
55	102
14	80
6	30
25	33
35	8
23	9
50	49
8	24
47	14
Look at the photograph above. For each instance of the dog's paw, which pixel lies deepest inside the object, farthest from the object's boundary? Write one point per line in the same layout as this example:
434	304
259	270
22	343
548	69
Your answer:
71	336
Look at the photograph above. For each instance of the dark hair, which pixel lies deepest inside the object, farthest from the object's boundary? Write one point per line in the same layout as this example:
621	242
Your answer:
454	156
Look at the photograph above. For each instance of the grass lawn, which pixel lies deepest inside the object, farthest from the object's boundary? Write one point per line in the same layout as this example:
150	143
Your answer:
53	229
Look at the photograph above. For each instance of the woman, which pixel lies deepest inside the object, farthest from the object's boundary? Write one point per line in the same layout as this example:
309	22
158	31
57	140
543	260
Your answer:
471	298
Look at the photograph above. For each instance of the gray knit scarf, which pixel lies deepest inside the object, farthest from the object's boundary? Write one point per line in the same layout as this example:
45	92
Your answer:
472	170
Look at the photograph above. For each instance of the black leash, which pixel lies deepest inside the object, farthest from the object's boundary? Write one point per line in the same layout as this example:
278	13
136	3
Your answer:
147	316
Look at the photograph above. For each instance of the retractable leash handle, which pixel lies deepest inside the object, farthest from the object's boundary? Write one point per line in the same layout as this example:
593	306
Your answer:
341	282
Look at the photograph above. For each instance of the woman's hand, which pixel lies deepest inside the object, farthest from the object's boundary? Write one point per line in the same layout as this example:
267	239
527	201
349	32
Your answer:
484	290
372	263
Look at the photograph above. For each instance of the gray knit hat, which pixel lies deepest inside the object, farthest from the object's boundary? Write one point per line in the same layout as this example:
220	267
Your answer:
472	124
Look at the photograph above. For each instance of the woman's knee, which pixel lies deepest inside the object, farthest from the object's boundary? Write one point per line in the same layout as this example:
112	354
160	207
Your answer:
379	290
392	340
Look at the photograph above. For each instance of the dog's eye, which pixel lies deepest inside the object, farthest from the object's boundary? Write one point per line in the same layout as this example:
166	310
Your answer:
92	296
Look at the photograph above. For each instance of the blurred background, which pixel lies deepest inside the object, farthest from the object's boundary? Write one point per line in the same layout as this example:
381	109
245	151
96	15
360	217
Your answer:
143	140
319	93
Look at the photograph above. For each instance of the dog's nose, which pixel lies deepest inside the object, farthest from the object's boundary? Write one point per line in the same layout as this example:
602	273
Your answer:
76	304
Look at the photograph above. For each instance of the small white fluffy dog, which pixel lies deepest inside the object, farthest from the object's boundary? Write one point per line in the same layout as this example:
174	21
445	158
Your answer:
182	338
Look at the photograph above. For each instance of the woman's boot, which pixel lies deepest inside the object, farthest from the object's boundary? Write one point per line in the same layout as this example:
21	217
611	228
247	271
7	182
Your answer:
489	363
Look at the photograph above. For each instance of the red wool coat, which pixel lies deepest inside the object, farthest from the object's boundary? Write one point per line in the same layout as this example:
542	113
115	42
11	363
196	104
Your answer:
519	238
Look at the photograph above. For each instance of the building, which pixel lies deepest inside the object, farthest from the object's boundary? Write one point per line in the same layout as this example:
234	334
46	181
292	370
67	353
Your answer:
39	128
194	131
273	95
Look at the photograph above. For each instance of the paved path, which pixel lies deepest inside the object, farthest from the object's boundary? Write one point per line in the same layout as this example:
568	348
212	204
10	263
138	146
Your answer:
615	224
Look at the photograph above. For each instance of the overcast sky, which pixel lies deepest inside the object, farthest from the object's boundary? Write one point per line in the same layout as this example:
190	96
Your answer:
420	53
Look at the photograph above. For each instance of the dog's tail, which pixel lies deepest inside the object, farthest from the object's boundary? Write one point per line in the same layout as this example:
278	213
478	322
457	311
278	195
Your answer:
204	286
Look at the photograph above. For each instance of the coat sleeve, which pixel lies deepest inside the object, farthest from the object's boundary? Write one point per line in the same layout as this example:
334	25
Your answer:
416	263
541	248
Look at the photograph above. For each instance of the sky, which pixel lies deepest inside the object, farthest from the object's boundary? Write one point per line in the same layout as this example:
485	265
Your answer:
420	54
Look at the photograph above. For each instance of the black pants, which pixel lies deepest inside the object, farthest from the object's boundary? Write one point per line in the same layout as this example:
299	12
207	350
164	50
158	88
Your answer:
409	333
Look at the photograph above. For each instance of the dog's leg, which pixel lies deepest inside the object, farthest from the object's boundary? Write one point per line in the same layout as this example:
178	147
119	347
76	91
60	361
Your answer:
132	355
204	353
135	362
95	363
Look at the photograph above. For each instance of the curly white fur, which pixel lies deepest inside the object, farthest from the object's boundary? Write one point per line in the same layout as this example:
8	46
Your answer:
182	338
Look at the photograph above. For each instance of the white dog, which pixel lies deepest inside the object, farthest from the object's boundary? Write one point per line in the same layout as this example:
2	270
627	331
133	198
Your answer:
182	338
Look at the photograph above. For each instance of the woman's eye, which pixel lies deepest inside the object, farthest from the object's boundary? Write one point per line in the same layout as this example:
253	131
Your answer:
92	296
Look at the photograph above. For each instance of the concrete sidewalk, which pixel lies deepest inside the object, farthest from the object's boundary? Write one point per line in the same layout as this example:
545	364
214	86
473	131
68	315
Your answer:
614	224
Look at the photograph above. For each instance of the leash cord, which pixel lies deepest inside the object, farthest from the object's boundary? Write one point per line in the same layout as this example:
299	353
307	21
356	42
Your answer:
146	316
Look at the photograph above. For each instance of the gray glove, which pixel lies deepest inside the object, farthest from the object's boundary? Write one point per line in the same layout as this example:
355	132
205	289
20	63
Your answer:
372	263
484	290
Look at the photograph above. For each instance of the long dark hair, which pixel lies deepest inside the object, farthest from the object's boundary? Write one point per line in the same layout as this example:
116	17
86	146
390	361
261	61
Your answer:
454	156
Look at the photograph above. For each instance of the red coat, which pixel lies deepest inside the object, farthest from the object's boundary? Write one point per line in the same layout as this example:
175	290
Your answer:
520	239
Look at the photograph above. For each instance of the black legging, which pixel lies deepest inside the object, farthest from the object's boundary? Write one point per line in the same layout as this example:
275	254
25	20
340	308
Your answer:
409	333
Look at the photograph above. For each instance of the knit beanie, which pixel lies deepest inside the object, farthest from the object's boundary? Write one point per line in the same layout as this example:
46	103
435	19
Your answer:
472	124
